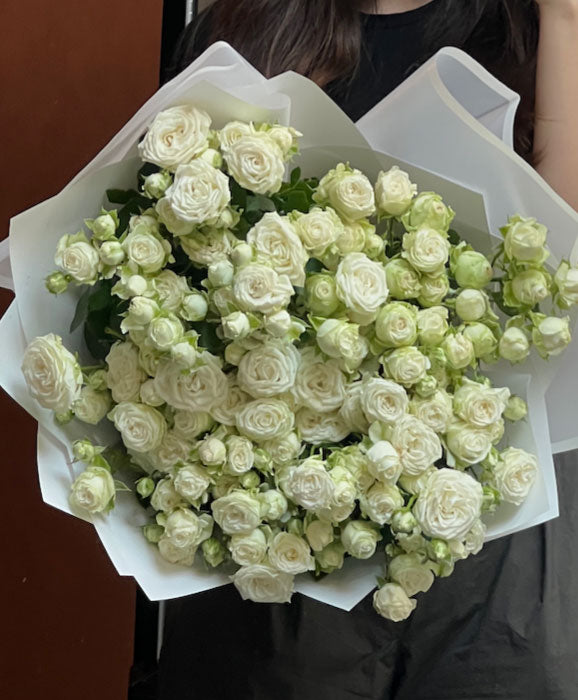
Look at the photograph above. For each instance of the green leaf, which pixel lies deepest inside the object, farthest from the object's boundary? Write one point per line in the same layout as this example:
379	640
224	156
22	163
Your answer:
146	170
454	237
295	176
120	196
259	203
238	194
81	311
314	265
208	337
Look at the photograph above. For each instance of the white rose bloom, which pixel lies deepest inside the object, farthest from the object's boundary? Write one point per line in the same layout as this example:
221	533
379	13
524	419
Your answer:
351	411
212	451
552	335
416	484
393	603
396	324
263	584
417	445
259	288
207	248
515	475
473	542
436	411
319	428
199	193
360	539
194	307
426	250
198	390
406	366
403	281
319	534
310	485
141	427
92	406
394	192
459	350
232	402
240	455
319	229
467	443
93	490
220	273
449	505
236	325
111	253
232	132
384	463
274	503
147	250
171	289
434	289
185	556
164	331
480	405
319	384
173	223
341	340
432	325
165	498
348	191
290	553
77	259
237	513
176	136
352	239
124	375
471	304
380	502
514	345
283	450
191	424
256	162
186	529
413	575
140	313
265	419
361	286
52	374
275	240
278	324
566	280
249	549
383	400
184	354
192	482
269	369
524	240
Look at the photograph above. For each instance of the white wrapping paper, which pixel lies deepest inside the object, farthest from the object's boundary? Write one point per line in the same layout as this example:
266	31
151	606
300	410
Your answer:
449	125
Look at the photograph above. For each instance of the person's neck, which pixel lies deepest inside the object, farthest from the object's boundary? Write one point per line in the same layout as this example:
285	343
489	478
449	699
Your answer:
390	7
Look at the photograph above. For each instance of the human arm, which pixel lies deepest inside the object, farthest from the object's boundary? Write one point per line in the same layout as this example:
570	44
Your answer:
556	120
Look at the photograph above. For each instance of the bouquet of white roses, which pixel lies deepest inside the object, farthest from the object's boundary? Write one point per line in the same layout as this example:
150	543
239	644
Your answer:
296	368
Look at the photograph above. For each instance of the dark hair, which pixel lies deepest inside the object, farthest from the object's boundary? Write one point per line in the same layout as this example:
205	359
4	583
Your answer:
322	40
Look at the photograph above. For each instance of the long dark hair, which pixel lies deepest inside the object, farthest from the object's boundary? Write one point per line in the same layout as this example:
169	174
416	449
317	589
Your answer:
322	40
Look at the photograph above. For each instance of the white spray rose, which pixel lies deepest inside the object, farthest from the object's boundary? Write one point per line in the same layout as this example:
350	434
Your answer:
192	482
111	253
197	390
384	463
319	428
383	400
380	502
428	209
341	340
524	240
310	485
191	424
78	259
171	289
171	221
283	450
348	191
432	325
528	287
552	335
194	307
231	403
321	294
256	162
265	419
435	411
249	549
92	406
566	280
360	539
351	411
472	269
393	603
164	331
406	366
165	498
394	192
449	505
413	575
319	534
233	131
236	325
514	345
426	250
459	350
237	513
318	229
141	427
275	240
186	529
361	286
396	324
212	451
263	584
480	405
278	324
259	288
468	443
184	556
149	251
240	455
319	384
274	503
93	490
434	289
208	247
515	474
290	553
199	193
269	369
52	374
353	237
471	304
402	280
417	445
176	136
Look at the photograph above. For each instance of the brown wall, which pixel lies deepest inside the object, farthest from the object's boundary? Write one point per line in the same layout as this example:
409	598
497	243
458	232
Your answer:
72	72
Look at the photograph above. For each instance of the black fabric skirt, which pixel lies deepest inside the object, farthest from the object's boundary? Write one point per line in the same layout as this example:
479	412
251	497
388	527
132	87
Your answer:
504	625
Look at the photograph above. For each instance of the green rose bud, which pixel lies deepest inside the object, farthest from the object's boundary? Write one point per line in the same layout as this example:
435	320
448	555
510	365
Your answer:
459	351
472	269
434	289
432	325
566	280
524	240
83	450
426	387
111	253
63	418
551	335
374	246
403	521
353	237
514	345
516	408
145	487
394	192
490	499
242	254
438	550
482	338
214	552
428	209
97	380
527	288
104	226
155	185
57	283
295	527
221	273
321	294
194	307
263	461
250	480
153	533
471	304
330	558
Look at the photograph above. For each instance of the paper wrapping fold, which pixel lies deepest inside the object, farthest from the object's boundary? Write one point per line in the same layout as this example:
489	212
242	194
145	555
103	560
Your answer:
451	118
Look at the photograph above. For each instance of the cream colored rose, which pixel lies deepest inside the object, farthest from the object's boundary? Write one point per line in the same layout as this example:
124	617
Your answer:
212	451
468	444
353	238
415	484
396	324
351	411
393	603
459	350
240	455
552	335
411	572
208	247
436	411
191	424
426	250
124	374
449	505
394	192
248	549
406	366
231	403
319	384
319	534
524	240
237	513
171	289
384	463
265	419
274	503
319	428
480	405
92	406
283	450
263	584
348	191
269	369
566	280
290	553
256	162
434	289
514	345
78	259
383	400
380	502
319	229
341	340
233	131
403	281
93	490
360	539
192	482
52	374
310	485
259	288
141	427
199	193
515	474
417	445
361	286
471	304
275	240
197	390
165	497
186	529
176	136
185	556
165	331
149	251
172	222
